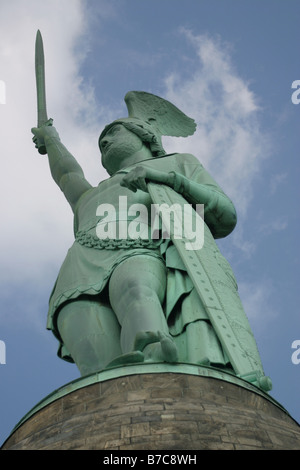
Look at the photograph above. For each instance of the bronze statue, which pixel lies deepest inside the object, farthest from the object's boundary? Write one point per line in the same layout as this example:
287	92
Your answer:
128	294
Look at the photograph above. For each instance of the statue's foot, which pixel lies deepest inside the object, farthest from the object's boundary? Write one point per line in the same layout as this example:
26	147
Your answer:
162	350
204	361
168	348
143	338
128	358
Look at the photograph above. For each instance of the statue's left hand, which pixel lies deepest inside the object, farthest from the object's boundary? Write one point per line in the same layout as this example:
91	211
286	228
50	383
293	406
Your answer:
140	175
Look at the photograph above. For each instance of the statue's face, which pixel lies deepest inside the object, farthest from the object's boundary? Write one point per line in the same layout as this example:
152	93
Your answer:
117	145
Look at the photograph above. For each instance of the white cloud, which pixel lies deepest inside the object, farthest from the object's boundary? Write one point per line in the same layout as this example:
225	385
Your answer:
36	220
228	140
244	245
275	225
276	181
256	297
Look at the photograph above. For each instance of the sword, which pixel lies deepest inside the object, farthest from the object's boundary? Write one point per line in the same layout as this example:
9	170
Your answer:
42	117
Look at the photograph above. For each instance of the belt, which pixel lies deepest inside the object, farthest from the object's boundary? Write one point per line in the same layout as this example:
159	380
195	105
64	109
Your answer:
91	241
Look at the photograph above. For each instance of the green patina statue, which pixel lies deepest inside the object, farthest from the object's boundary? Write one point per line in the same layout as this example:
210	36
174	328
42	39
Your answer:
130	293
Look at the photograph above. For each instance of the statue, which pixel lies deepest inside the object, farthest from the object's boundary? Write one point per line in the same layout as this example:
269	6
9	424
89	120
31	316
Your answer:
122	298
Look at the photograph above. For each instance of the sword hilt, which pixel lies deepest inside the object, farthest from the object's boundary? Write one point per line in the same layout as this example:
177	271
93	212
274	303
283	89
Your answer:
39	142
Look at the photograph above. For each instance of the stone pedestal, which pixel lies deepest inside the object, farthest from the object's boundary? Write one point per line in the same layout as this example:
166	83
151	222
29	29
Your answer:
156	407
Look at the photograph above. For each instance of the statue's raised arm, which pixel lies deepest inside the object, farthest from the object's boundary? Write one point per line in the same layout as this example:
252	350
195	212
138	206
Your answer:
65	170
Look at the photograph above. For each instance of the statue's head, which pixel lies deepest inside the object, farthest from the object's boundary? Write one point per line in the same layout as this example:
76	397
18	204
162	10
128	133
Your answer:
151	117
145	131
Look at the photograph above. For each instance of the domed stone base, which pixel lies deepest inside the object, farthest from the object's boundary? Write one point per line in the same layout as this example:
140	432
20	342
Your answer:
156	408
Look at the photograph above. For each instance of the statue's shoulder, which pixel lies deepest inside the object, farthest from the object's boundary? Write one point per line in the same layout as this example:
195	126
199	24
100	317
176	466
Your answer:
187	158
180	158
188	164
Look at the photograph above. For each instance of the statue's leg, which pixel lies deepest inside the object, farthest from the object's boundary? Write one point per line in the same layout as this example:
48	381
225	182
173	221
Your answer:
136	291
90	332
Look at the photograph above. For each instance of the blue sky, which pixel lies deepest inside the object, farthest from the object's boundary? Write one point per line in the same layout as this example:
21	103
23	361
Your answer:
230	65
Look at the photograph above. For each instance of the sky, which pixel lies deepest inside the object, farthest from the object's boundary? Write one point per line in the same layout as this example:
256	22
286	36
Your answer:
229	64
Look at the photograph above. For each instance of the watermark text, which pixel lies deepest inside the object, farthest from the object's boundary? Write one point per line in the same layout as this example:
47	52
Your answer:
151	459
2	92
296	353
2	352
296	94
137	221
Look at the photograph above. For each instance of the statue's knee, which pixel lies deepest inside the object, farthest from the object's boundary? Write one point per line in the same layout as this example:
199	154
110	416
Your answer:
138	291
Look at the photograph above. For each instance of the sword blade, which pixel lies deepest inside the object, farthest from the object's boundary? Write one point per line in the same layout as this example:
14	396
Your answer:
42	117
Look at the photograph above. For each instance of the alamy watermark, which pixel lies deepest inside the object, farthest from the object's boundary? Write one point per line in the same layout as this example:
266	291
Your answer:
296	354
296	94
136	221
2	352
2	92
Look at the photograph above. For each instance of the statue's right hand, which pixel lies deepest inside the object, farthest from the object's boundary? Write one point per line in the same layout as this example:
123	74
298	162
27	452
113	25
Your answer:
41	133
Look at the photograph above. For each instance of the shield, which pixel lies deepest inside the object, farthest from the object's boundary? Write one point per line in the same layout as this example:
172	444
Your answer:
223	305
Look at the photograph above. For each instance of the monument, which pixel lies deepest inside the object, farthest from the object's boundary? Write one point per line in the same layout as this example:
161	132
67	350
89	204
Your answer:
144	296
